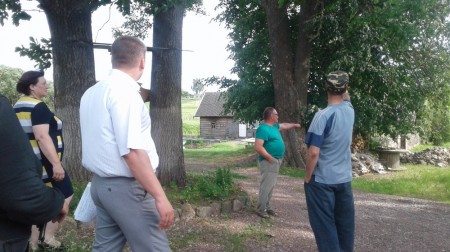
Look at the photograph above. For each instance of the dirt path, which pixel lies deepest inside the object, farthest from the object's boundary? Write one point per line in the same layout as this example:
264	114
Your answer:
383	223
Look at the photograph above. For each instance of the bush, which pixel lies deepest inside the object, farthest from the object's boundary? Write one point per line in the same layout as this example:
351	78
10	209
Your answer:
220	186
206	187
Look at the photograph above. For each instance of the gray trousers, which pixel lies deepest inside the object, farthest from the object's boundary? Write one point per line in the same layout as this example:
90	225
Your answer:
269	174
125	213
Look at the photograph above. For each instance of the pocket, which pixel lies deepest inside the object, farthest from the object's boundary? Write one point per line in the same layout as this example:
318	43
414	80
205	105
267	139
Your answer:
138	191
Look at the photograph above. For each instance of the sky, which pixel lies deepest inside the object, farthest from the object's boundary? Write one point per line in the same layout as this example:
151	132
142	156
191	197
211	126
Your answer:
205	39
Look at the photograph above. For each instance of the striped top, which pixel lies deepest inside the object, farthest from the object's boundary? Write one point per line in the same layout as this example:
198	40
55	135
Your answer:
31	112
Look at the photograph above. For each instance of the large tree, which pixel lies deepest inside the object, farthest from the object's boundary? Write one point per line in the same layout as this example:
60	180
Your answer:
73	62
165	96
283	50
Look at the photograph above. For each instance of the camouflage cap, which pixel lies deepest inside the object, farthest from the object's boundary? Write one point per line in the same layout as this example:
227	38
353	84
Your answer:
337	80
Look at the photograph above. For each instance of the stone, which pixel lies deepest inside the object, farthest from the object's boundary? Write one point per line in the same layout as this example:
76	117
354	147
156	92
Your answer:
237	205
226	207
177	214
436	156
215	209
244	199
187	212
204	211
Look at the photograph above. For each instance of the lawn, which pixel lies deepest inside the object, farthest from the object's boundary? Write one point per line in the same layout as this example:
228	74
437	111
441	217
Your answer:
224	152
191	125
418	181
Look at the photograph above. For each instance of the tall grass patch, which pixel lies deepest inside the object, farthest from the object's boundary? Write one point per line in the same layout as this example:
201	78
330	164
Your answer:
191	125
418	181
205	187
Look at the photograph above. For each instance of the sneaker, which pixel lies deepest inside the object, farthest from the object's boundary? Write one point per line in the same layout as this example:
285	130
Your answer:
271	212
263	215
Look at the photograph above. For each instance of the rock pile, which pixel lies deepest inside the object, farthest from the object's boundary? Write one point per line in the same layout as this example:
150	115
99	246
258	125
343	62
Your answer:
363	163
437	156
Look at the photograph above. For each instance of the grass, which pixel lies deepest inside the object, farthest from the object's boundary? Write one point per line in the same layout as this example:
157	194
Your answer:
418	181
191	125
219	152
206	187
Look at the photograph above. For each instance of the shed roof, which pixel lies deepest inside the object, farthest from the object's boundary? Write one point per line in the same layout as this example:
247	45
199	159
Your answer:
211	105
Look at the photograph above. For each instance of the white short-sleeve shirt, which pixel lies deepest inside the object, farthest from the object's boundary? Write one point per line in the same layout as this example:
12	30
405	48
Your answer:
113	120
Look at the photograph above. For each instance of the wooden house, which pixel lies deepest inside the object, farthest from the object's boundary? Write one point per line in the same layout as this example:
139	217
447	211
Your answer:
213	122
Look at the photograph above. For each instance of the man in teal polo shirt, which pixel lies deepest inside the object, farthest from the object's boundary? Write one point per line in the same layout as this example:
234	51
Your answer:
270	147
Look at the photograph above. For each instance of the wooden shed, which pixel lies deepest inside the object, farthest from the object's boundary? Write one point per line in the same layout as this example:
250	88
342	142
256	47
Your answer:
213	122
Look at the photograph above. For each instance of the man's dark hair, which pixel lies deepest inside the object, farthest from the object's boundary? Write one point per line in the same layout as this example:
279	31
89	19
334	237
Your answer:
126	51
267	112
28	78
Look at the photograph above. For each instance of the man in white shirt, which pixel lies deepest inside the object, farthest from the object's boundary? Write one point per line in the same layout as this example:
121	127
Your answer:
117	147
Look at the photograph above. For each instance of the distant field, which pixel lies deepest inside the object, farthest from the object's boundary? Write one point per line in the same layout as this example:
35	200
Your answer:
191	125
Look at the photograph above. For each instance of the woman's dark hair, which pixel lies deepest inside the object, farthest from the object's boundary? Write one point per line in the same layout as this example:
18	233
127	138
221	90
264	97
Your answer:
28	78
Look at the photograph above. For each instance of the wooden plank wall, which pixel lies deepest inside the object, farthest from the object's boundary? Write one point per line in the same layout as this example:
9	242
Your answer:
224	127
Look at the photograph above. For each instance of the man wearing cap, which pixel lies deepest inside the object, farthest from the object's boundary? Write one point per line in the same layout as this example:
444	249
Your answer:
328	188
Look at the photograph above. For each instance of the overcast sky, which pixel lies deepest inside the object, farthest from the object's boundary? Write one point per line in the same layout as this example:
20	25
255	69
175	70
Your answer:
205	38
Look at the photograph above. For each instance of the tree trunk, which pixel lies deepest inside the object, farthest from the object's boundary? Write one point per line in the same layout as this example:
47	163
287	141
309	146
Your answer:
73	72
165	96
287	95
303	54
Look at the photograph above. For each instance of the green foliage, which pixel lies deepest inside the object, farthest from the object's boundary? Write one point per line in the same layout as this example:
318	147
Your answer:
219	186
249	48
382	44
435	123
8	81
17	13
41	53
418	181
138	22
197	86
205	187
186	94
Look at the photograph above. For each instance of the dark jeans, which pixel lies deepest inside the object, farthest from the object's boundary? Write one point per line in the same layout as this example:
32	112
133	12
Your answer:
18	245
331	213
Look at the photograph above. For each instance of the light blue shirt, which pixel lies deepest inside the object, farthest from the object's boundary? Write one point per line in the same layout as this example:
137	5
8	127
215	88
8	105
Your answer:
331	130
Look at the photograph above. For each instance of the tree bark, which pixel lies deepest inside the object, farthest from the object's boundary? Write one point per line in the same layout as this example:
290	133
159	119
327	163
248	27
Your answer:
303	54
288	100
73	72
165	96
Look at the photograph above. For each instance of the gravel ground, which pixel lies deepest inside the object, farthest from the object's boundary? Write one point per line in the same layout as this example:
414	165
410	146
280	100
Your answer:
383	223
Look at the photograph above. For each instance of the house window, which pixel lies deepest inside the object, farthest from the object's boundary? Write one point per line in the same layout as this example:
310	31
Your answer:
213	125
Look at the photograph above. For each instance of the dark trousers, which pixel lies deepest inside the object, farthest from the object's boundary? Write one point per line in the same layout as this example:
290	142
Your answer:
331	213
18	245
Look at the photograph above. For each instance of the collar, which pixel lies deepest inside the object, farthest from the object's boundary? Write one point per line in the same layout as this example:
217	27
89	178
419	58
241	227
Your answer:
121	76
